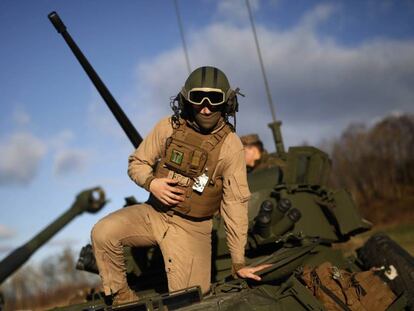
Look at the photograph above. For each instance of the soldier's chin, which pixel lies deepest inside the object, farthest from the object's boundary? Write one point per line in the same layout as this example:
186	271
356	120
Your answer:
207	122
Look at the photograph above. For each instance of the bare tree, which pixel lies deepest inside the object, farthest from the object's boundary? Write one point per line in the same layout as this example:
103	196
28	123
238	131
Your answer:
376	163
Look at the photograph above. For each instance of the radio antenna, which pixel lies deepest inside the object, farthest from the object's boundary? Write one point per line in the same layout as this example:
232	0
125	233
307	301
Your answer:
180	26
275	125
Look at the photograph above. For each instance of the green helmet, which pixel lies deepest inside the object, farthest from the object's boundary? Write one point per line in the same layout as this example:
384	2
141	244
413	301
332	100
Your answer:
206	83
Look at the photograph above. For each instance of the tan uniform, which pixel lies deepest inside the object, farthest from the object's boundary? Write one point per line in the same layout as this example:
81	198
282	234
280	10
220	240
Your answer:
185	244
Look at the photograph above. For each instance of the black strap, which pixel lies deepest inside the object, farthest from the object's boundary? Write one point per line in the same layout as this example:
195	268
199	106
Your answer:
335	298
328	291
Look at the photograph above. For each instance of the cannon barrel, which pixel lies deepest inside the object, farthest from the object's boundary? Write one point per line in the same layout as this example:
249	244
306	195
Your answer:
110	101
91	200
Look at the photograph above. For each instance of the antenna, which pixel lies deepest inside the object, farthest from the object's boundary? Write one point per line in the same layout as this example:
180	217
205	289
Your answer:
275	125
180	25
259	54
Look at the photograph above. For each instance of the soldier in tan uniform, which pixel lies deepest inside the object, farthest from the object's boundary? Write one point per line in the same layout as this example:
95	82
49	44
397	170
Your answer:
193	166
256	156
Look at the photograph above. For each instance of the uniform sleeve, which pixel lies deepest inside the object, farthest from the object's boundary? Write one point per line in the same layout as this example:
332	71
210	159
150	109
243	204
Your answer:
145	157
235	197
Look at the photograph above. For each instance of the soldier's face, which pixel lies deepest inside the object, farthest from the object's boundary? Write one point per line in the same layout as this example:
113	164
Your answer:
202	110
205	108
207	115
251	154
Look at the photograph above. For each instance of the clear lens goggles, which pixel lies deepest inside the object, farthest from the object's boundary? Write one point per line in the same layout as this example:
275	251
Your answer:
214	96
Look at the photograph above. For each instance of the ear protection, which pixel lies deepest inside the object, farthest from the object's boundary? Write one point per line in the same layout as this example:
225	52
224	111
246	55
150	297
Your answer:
232	104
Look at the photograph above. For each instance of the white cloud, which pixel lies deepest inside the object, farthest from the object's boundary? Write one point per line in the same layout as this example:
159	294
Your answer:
102	119
61	139
314	17
319	86
236	10
67	160
21	117
70	161
6	232
21	154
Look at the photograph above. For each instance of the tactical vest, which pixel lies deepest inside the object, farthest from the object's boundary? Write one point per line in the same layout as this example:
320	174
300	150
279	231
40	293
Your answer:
191	158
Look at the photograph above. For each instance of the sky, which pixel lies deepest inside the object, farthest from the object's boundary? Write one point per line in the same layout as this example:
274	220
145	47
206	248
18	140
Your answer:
329	64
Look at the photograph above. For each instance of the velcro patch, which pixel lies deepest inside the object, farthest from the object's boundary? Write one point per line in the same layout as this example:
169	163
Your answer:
177	156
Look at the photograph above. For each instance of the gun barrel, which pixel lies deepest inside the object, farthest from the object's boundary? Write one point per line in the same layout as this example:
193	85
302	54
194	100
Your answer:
91	201
20	255
110	101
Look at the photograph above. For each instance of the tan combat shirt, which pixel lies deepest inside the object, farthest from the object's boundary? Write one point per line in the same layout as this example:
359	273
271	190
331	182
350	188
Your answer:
235	188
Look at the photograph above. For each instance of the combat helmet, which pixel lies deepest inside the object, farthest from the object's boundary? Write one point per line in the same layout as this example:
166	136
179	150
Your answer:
209	85
206	83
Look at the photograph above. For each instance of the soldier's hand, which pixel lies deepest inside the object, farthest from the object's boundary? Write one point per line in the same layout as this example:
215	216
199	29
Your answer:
249	272
165	190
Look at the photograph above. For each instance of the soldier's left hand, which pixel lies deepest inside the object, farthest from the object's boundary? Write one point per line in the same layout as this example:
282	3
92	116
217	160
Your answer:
249	272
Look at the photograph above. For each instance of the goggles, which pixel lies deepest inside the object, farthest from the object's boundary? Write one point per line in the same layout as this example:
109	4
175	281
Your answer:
214	96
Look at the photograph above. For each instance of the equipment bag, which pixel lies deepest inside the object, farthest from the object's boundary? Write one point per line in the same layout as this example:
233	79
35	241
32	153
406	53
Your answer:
339	289
381	251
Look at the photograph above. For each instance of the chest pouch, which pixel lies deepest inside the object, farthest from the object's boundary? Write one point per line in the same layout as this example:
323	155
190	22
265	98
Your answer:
186	159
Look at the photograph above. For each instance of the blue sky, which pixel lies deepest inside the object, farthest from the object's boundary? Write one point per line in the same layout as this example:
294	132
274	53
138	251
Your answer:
329	63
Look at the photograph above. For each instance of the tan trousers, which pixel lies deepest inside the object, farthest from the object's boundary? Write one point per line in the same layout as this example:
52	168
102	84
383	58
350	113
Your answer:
185	245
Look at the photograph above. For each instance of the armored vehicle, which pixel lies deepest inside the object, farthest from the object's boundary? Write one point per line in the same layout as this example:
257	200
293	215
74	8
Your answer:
295	218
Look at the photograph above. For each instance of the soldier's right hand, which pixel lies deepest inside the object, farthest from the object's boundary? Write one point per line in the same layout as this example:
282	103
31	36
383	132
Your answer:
166	190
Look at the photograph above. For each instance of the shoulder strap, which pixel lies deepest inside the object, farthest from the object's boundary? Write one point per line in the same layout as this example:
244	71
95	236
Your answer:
216	138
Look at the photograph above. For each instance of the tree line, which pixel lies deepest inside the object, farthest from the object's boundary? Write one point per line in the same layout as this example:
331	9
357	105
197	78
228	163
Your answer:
55	281
376	164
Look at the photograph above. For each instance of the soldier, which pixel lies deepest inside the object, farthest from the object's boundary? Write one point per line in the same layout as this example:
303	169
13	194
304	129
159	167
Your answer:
256	156
193	166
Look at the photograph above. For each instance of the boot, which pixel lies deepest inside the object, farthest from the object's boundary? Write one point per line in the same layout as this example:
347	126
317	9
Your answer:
124	296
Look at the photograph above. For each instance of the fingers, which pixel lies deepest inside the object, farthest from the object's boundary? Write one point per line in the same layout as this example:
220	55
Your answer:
261	267
254	277
167	191
174	197
175	193
170	181
175	190
168	201
170	198
249	272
